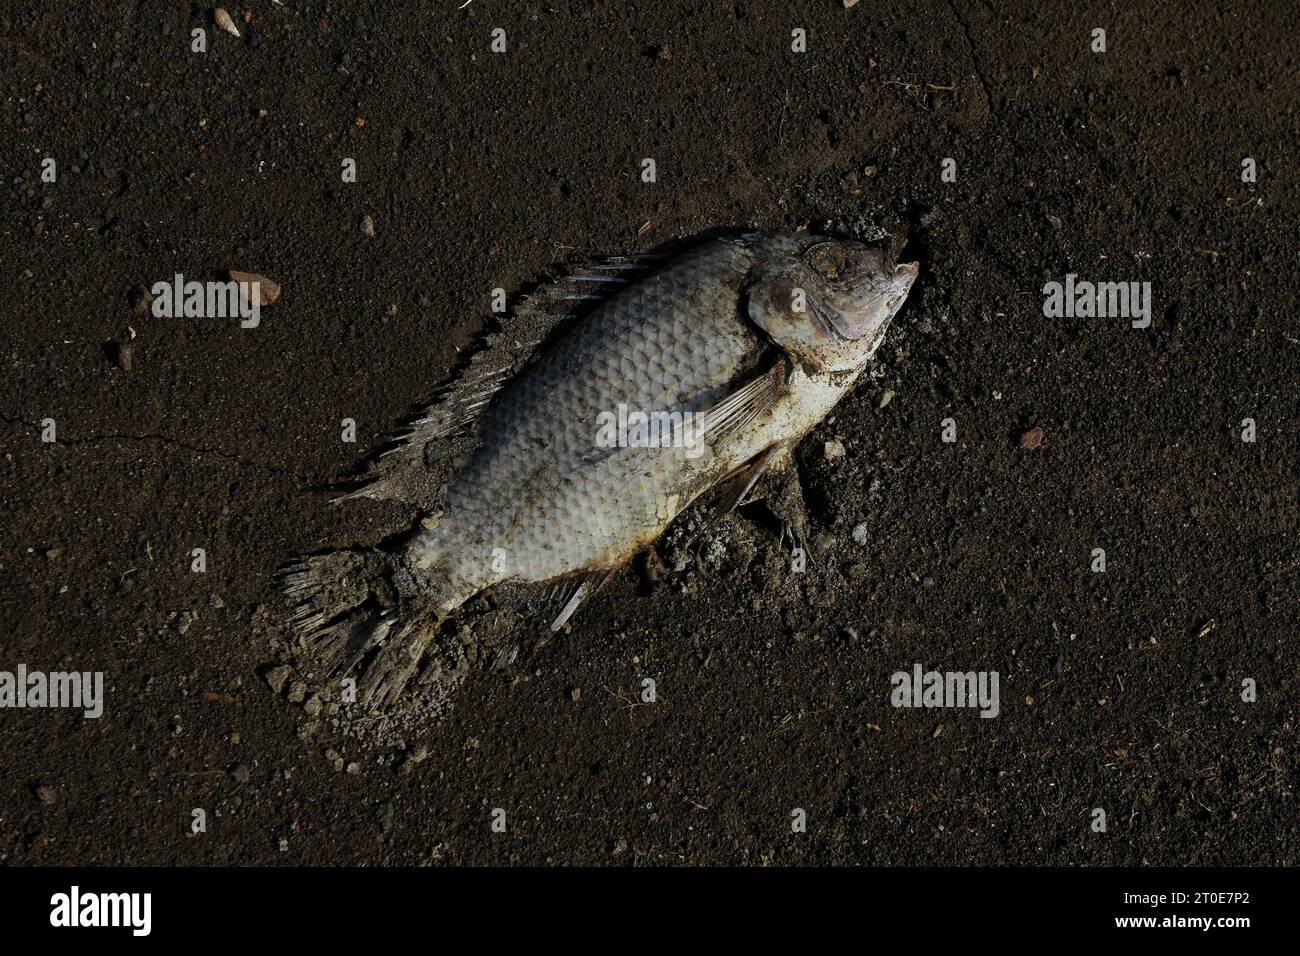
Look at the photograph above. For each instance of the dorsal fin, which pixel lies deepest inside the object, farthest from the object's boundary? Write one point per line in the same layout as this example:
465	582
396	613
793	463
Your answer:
422	460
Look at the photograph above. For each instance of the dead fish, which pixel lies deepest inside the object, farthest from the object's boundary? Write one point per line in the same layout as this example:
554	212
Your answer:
604	408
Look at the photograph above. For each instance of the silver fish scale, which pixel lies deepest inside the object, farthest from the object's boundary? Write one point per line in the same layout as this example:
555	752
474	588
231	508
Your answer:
539	489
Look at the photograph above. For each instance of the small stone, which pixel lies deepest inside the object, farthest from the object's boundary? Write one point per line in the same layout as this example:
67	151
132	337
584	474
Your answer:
240	773
1033	438
277	677
297	692
860	534
354	769
575	694
47	795
833	449
368	226
268	290
886	397
313	705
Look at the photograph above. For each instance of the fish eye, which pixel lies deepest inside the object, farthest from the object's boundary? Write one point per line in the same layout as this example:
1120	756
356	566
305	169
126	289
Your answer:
826	258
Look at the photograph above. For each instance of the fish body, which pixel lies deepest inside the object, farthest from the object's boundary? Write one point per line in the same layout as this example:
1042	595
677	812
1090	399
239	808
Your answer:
733	351
541	498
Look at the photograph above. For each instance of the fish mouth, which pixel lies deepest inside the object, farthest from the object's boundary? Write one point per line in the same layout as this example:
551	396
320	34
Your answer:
857	319
829	322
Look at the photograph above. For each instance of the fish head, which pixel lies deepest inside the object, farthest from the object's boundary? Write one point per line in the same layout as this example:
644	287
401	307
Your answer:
827	302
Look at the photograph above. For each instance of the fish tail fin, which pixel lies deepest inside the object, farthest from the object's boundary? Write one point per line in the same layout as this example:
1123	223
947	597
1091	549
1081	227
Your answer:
352	615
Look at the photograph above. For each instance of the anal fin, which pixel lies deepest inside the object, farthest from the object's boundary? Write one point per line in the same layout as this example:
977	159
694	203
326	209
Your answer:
578	592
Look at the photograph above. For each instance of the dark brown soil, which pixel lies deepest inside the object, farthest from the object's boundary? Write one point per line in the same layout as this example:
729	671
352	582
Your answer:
1119	691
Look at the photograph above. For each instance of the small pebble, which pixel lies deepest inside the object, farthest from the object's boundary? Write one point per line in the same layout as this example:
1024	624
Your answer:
1033	438
860	534
268	290
367	226
833	449
277	677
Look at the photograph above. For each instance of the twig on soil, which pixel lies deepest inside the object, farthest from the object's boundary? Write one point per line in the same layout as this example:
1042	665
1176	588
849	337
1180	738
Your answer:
631	704
922	91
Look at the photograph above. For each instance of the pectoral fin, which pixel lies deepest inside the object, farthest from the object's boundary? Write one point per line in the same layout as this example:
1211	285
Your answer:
745	404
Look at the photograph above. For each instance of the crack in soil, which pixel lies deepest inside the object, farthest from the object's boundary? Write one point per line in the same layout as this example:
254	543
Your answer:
974	56
160	439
